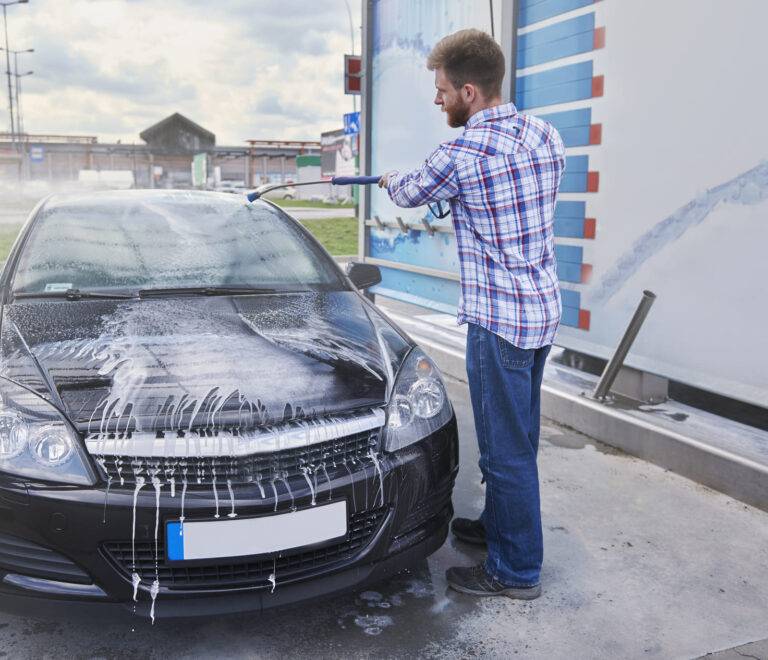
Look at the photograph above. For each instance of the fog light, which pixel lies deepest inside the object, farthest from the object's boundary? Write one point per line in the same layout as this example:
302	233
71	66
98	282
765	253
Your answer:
13	435
427	398
51	445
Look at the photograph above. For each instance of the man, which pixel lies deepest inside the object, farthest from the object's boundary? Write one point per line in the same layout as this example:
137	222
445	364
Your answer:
501	177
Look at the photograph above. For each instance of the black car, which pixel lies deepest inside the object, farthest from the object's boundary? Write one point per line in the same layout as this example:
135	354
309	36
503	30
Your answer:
202	414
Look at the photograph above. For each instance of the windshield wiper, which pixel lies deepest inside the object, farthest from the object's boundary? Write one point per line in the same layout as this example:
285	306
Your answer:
207	291
73	294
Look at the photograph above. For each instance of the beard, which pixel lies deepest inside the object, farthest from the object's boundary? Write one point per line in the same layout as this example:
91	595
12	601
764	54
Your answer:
458	114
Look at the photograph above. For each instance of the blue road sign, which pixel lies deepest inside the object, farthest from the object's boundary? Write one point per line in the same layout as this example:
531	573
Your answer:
351	123
36	154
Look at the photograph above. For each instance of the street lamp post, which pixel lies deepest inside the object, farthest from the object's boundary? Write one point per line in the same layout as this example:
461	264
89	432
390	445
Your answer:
19	119
352	37
6	4
17	76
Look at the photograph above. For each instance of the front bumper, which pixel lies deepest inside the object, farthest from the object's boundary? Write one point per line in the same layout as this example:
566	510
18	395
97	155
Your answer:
87	527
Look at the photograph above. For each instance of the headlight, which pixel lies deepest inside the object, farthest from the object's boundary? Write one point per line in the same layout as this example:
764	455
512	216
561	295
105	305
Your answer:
418	405
36	441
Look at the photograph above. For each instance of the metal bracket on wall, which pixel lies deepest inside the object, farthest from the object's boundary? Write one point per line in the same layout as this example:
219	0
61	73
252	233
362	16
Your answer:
401	224
429	228
436	229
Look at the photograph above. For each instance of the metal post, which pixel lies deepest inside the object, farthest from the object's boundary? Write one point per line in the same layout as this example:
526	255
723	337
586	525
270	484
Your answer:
8	73
352	52
366	89
509	23
16	92
617	360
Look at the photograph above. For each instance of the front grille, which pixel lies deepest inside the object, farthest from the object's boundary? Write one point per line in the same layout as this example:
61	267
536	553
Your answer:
244	573
201	472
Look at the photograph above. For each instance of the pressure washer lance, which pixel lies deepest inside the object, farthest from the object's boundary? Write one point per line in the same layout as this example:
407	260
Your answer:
435	208
336	181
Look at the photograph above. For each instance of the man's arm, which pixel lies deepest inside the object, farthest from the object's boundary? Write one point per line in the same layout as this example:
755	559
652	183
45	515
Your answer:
434	181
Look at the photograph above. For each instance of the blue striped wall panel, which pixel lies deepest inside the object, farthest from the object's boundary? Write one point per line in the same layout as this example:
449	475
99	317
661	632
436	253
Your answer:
569	209
569	219
570	316
554	42
569	227
575	177
533	11
561	85
570	298
573	254
569	272
573	125
574	182
557	76
577	164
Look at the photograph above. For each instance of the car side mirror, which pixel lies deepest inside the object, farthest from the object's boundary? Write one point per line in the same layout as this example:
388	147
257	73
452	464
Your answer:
363	275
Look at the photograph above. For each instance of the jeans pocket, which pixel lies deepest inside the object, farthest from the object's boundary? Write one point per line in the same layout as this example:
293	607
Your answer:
513	357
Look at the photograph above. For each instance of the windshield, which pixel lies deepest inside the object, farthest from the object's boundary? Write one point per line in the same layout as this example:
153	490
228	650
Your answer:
168	240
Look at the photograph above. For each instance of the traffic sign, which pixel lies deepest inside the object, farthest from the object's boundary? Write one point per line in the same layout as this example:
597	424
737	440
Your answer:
351	123
36	154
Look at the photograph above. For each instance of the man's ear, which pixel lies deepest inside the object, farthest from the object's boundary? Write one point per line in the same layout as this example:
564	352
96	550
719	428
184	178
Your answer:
469	92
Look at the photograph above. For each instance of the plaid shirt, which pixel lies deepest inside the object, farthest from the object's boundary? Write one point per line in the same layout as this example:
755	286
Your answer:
501	178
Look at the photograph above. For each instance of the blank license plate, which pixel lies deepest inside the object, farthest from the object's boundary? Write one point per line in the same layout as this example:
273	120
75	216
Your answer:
240	537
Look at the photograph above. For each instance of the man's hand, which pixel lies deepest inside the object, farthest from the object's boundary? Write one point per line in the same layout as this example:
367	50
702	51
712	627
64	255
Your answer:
384	181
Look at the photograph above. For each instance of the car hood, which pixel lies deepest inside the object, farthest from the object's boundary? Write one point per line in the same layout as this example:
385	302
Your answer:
201	362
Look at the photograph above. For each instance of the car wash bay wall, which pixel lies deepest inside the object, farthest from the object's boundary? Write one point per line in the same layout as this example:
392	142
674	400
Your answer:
666	183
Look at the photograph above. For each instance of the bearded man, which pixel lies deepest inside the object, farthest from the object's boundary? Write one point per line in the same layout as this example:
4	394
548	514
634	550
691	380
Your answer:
500	177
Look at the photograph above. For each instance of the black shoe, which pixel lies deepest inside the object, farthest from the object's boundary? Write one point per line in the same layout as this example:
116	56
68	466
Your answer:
471	531
475	581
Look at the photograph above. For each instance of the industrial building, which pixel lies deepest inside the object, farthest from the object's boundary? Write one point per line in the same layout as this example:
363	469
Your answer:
162	159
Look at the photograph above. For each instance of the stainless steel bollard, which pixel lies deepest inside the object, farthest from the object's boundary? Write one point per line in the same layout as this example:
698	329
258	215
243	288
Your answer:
617	360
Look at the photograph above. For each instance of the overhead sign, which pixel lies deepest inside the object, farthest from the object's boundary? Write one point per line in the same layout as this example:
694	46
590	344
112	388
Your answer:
36	154
353	65
351	123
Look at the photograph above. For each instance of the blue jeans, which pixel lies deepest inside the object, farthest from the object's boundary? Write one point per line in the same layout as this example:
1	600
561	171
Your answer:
505	387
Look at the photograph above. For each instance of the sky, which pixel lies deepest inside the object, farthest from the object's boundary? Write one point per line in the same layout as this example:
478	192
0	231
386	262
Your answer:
243	69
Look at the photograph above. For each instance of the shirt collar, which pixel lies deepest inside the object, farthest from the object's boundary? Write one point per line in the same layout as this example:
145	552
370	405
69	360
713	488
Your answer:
494	112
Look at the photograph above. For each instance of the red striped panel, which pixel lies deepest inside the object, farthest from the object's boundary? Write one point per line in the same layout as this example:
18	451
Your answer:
599	38
593	181
598	84
595	133
586	273
584	319
590	227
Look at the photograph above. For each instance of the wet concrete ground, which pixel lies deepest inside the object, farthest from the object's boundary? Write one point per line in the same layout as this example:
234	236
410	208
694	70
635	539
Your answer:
639	563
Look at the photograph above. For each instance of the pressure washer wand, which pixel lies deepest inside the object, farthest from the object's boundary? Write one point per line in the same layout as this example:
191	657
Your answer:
336	181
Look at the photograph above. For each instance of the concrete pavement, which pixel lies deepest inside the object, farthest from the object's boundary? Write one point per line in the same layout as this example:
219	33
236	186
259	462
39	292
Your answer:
639	563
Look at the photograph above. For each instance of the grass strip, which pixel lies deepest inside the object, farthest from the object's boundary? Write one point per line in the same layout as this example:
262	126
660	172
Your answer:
338	235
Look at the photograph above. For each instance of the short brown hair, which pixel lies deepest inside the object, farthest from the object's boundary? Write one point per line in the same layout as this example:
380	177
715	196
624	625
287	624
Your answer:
470	56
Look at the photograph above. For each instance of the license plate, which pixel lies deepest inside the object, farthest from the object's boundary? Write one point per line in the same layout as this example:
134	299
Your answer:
240	537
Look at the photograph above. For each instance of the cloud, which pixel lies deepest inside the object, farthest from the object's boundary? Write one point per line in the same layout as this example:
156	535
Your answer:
241	68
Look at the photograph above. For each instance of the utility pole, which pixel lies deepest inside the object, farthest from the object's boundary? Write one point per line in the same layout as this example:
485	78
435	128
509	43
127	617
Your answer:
7	4
18	76
8	73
